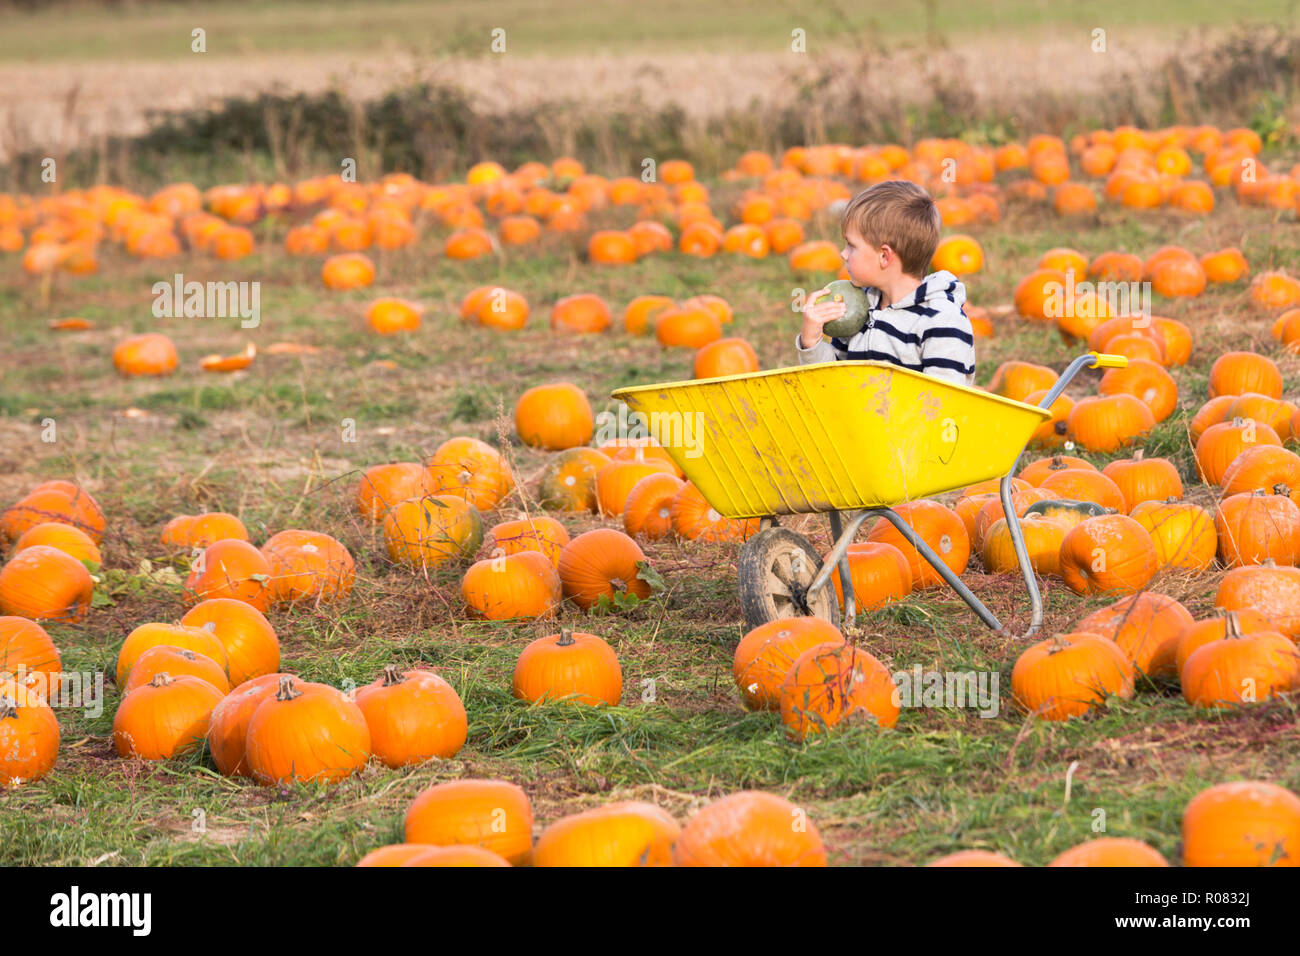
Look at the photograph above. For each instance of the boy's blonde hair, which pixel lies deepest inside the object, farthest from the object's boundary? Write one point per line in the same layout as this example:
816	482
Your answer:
901	214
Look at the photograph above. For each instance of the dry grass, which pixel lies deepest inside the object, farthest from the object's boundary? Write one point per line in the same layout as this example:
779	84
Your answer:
61	106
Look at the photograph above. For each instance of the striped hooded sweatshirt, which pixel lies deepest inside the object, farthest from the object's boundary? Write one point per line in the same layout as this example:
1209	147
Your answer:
926	331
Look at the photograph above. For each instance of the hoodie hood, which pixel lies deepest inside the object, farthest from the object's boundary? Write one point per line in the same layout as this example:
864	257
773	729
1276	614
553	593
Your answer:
936	291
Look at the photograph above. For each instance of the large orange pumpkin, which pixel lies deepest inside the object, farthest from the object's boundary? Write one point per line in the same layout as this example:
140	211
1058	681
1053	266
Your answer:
554	417
45	584
233	569
1242	823
936	525
1108	553
750	828
602	562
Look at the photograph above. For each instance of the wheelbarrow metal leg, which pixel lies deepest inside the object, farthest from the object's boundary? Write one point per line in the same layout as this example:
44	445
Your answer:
846	582
839	550
1022	557
945	572
768	521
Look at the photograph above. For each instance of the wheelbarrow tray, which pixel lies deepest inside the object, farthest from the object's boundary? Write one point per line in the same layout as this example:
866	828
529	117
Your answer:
831	436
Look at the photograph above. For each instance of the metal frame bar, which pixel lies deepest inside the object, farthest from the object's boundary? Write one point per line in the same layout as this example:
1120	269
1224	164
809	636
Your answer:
843	536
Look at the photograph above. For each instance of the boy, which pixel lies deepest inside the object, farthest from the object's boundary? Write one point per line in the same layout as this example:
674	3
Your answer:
916	320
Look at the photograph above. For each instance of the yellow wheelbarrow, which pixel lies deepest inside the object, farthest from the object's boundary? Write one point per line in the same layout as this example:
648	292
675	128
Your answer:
840	437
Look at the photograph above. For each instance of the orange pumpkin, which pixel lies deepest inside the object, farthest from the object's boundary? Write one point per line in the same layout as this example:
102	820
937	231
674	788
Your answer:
471	469
1142	479
1272	590
554	417
687	327
390	316
349	270
695	519
879	574
1146	381
148	354
569	480
624	833
251	646
1236	373
1108	553
520	585
66	538
584	312
1183	533
1242	823
750	828
572	666
383	486
308	566
732	356
1241	669
1105	424
306	732
492	814
648	508
1257	525
1146	627
1110	851
939	527
45	584
641	312
602	563
1068	675
766	654
833	682
230	568
165	718
1261	466
412	716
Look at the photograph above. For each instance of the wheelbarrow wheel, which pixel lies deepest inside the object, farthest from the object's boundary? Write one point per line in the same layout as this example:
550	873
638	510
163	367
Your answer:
776	566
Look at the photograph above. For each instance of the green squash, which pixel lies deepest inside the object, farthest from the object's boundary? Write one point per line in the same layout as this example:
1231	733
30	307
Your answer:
842	290
1075	511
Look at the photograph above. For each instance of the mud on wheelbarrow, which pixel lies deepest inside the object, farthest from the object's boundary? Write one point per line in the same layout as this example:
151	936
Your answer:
848	439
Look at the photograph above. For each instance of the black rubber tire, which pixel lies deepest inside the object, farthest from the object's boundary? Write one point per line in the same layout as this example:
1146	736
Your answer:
789	558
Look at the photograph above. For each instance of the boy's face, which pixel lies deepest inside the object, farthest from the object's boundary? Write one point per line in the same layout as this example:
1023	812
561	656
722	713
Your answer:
867	264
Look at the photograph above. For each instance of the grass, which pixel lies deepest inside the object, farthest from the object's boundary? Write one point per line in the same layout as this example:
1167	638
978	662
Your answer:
268	444
163	31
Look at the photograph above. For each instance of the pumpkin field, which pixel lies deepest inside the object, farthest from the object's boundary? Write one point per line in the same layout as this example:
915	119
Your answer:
323	540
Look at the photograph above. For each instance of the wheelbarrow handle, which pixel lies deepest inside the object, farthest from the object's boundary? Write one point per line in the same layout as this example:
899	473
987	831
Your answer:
1091	360
1103	360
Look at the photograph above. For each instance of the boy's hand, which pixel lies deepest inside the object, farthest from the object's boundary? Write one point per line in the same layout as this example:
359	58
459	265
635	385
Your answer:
816	314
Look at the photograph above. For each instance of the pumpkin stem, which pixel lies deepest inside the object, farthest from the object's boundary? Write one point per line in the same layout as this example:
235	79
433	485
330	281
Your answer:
392	674
618	584
1137	455
1282	489
1056	464
1059	643
566	638
161	679
1231	625
287	691
8	708
1172	500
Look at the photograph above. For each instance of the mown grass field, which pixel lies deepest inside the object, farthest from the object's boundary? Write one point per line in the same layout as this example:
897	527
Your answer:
267	444
162	30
